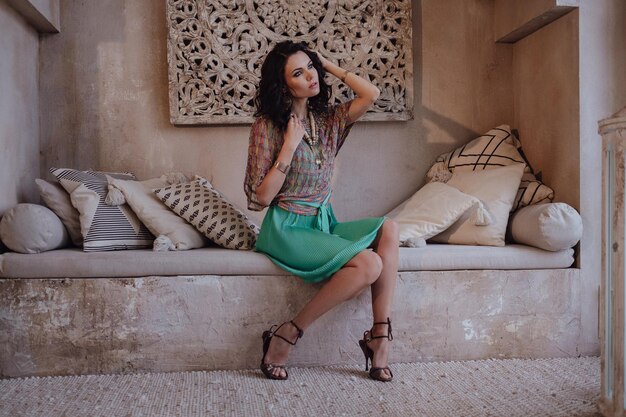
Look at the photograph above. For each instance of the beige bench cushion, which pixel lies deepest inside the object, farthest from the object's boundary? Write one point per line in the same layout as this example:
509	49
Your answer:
73	263
443	257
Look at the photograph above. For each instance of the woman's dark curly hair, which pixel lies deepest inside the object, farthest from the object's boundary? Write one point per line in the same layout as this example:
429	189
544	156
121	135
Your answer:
272	98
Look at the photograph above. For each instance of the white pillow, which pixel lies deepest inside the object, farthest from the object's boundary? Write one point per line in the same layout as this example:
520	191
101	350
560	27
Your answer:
160	220
496	189
31	228
58	200
431	210
550	226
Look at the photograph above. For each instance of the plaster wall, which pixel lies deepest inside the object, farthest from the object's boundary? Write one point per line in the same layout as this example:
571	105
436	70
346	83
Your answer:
518	18
545	80
105	103
43	15
176	323
602	93
50	10
19	109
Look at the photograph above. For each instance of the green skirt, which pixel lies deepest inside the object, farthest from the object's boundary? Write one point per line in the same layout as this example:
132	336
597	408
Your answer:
313	247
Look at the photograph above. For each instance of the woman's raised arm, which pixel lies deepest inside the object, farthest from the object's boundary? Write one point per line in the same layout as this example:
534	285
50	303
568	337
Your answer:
366	92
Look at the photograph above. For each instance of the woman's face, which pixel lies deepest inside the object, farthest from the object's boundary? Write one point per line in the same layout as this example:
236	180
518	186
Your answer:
301	76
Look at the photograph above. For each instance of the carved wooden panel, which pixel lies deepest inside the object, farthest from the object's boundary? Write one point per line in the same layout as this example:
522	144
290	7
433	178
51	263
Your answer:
216	49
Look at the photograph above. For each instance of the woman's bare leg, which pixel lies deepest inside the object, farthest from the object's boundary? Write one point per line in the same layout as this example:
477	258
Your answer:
386	246
359	273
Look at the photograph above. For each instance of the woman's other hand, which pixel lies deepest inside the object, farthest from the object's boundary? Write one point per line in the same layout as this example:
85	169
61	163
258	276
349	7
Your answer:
294	133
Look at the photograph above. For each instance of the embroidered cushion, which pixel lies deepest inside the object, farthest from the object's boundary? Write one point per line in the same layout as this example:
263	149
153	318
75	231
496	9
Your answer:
212	214
496	148
103	227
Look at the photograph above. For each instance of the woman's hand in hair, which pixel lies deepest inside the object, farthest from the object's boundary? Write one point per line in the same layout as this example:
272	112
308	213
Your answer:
325	62
366	92
294	132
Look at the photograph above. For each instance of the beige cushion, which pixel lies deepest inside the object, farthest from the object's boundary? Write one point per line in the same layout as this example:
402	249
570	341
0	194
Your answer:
431	210
31	228
496	148
160	220
532	191
72	263
206	209
551	226
103	227
58	200
496	189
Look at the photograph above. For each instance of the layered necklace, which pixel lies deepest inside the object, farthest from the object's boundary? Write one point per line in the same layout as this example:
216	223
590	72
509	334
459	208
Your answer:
313	139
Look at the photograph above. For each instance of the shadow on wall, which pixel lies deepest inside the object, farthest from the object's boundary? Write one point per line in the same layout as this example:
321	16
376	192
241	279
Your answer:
76	79
453	129
425	118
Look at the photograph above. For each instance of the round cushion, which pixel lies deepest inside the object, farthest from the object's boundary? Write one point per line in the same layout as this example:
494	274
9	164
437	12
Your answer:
549	226
31	228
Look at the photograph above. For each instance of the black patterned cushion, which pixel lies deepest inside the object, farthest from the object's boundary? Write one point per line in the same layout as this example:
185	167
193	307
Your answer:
206	209
103	227
497	148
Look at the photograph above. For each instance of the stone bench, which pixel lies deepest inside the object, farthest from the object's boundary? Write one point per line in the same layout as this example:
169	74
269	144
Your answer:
67	312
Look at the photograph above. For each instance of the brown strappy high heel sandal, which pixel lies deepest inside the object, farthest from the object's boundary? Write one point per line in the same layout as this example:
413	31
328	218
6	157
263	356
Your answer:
375	372
268	368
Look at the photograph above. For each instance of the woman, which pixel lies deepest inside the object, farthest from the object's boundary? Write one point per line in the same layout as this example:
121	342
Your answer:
293	144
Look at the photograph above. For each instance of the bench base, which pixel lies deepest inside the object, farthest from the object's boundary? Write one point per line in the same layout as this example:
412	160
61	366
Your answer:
183	323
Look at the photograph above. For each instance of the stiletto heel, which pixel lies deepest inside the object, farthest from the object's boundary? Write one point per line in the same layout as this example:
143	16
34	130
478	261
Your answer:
268	368
365	349
375	372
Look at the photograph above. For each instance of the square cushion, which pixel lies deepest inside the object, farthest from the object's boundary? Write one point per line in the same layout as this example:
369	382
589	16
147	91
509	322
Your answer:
431	210
159	219
550	226
57	199
206	209
532	191
496	189
496	148
103	227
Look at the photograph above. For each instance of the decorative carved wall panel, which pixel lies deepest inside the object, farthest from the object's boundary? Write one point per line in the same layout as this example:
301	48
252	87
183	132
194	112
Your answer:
216	49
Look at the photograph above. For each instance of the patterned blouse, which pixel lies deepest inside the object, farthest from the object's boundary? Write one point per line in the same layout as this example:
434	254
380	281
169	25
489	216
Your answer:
305	181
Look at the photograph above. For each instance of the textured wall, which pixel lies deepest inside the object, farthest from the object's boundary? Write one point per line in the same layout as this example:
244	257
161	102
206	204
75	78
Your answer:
545	68
105	103
516	19
602	93
19	109
85	326
43	15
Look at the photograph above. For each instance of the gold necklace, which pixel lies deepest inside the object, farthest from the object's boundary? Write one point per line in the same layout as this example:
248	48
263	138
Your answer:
313	139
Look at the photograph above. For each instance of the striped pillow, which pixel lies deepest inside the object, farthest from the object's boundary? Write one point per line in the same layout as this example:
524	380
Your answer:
532	191
497	148
103	227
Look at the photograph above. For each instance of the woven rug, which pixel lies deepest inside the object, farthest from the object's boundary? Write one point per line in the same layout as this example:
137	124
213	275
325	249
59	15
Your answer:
546	387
